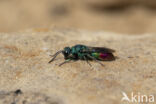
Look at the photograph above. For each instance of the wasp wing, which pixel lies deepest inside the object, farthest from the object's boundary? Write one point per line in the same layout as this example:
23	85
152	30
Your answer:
100	49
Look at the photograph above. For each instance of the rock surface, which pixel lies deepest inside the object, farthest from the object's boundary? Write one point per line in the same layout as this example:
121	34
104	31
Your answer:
24	65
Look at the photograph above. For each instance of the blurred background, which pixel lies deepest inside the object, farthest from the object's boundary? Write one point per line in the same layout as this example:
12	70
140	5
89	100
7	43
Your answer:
120	16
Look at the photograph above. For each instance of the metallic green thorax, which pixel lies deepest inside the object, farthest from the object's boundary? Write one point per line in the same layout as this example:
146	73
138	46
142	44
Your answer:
78	51
81	51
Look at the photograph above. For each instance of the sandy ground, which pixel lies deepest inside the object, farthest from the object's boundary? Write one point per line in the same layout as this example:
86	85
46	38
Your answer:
24	65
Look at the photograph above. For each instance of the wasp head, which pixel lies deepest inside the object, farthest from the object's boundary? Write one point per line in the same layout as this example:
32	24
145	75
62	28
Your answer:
66	52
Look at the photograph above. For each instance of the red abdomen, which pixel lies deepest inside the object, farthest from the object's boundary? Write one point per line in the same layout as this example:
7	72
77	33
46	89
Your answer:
103	56
106	56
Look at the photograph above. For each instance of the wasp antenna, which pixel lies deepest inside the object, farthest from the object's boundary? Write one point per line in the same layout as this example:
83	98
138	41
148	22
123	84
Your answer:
54	56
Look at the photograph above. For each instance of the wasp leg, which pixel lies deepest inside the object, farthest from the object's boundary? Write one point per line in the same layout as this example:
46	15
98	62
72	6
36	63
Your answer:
66	61
95	60
87	61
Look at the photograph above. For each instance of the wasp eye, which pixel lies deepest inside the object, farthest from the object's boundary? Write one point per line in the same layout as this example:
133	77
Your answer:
66	52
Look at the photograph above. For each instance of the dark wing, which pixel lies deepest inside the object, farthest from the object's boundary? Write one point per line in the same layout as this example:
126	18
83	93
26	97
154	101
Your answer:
100	49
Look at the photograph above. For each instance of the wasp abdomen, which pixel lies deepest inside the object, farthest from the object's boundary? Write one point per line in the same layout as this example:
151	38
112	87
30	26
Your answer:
103	56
